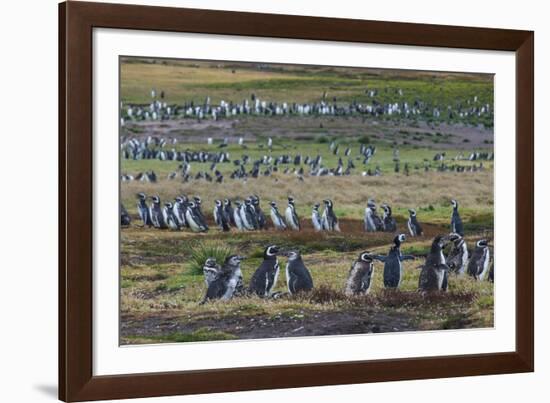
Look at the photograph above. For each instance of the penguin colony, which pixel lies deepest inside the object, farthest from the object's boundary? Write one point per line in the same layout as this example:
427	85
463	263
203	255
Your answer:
248	215
298	164
224	281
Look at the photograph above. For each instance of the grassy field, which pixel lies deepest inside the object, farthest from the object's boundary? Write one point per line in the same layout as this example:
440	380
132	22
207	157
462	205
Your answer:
160	283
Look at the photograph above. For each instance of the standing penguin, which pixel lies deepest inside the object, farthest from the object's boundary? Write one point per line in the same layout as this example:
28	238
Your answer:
169	217
143	210
291	216
276	217
265	277
248	215
155	212
388	221
329	219
479	262
360	275
316	219
414	226
433	276
393	266
228	212
260	216
125	218
456	221
219	216
198	210
226	283
458	256
193	219
298	277
180	205
211	270
237	216
372	221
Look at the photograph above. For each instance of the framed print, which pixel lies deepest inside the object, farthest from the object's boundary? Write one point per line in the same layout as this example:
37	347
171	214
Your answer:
252	201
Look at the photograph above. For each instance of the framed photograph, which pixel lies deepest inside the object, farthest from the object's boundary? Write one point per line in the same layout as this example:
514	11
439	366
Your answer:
253	201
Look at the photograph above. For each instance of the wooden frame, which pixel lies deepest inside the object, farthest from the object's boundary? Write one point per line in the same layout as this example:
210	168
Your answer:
76	22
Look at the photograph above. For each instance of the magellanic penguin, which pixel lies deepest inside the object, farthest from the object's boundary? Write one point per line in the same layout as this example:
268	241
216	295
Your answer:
198	210
479	262
248	215
260	216
276	217
155	212
434	274
265	277
298	277
458	256
456	221
291	216
193	219
237	216
388	220
316	219
220	217
125	218
372	221
143	210
414	226
169	217
360	275
393	266
179	210
211	270
228	280
228	211
329	219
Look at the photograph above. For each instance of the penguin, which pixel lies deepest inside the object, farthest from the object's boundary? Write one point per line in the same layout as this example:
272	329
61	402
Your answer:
360	275
291	216
143	210
220	217
198	210
456	221
156	213
457	258
169	217
276	217
228	211
237	216
479	262
228	280
193	219
260	216
125	218
372	221
179	210
211	270
329	219
393	266
491	276
414	226
316	219
248	215
388	221
298	277
265	277
434	274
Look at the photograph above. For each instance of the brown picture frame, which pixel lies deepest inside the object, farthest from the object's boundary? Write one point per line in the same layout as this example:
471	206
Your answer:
76	23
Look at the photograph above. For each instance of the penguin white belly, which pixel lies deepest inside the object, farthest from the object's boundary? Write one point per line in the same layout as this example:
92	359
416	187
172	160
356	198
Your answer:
237	218
411	230
275	219
194	226
290	218
318	225
231	285
275	278
485	264
288	278
464	257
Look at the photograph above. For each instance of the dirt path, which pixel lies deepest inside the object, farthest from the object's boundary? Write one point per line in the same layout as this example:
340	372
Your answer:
356	321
